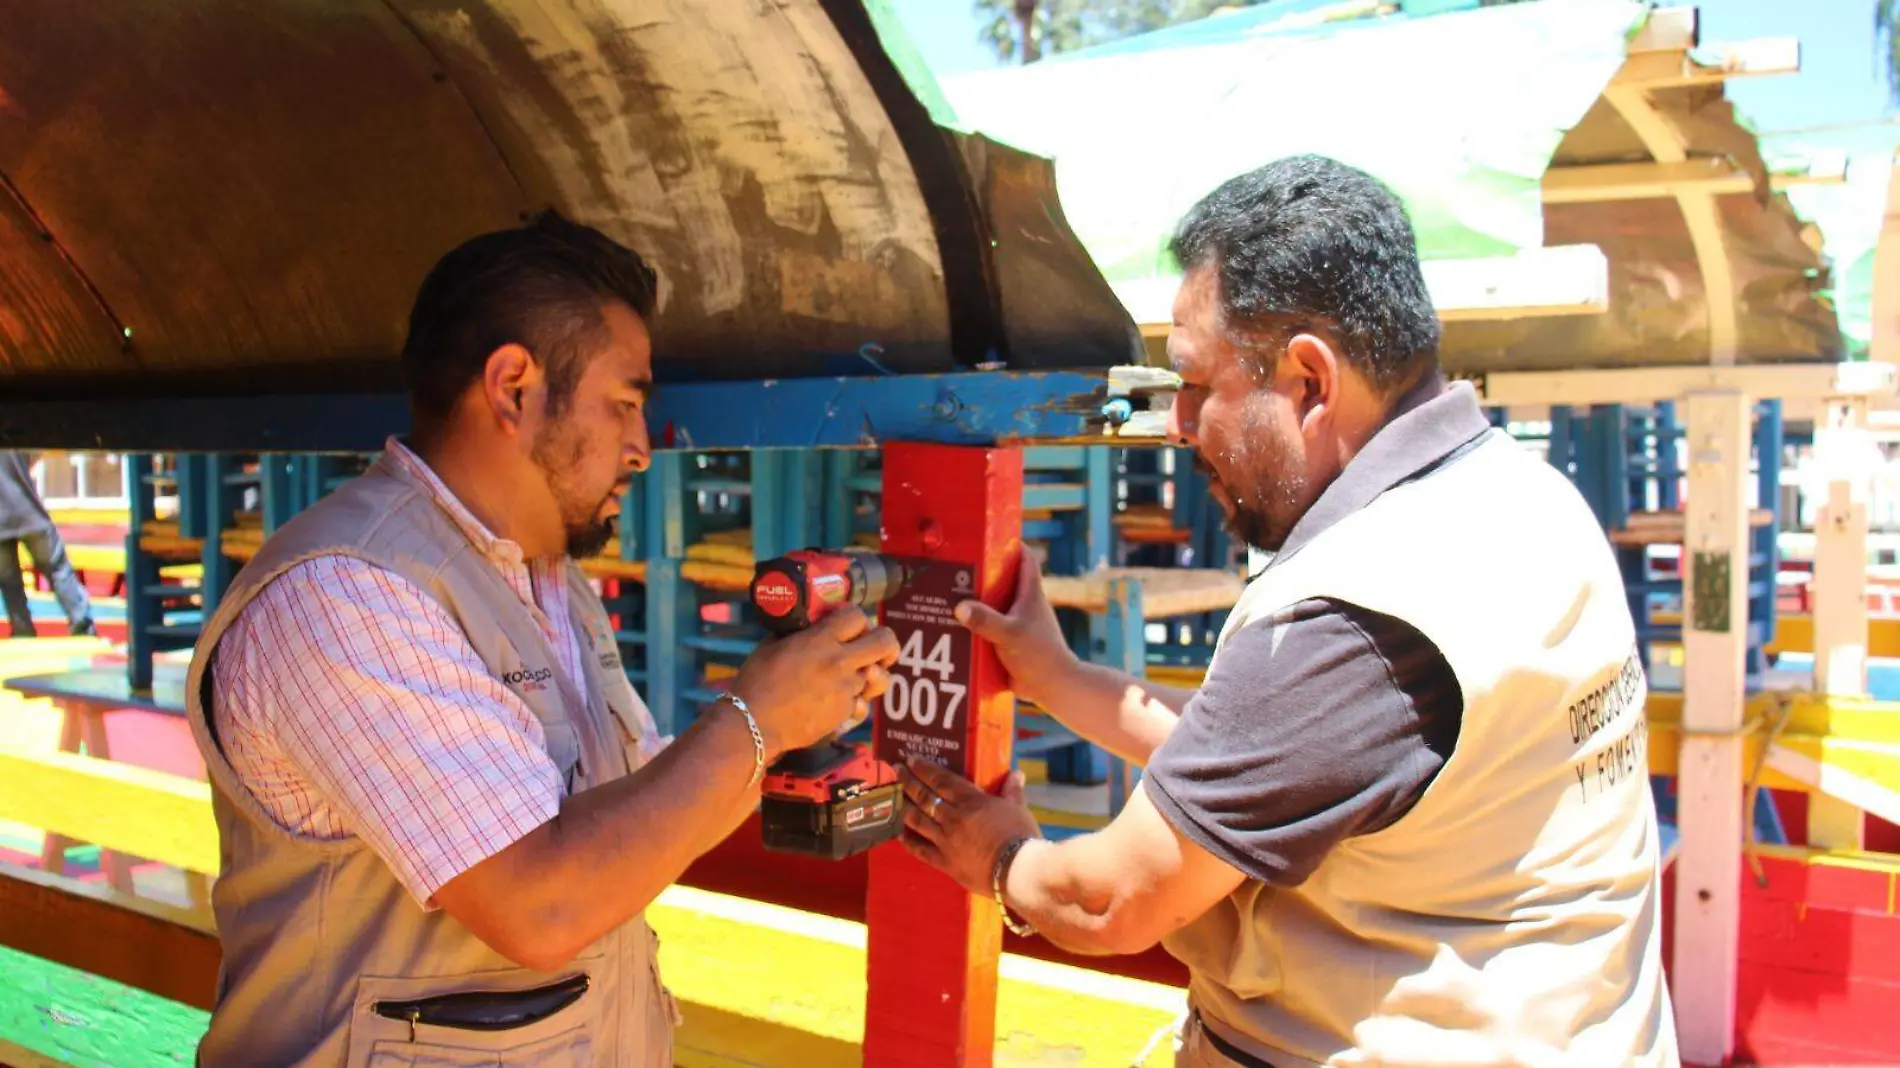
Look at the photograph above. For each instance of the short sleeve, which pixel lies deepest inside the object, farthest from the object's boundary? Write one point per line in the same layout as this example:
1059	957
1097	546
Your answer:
1324	726
364	693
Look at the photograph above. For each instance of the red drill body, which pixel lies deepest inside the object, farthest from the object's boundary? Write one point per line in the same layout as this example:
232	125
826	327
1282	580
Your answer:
832	799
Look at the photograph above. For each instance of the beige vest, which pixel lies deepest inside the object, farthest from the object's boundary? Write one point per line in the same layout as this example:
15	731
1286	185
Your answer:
1512	917
318	936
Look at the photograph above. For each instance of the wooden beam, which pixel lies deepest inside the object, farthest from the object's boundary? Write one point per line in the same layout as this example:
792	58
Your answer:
135	941
1841	452
1596	183
1667	145
1710	781
1711	64
119	807
1537	282
1646	385
1642	181
933	947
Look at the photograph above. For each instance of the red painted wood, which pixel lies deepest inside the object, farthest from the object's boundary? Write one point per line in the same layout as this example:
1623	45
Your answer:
1790	1016
933	948
1881	836
1819	885
1840	942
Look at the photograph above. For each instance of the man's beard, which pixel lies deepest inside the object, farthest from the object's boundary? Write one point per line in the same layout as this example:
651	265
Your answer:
589	539
586	534
1263	518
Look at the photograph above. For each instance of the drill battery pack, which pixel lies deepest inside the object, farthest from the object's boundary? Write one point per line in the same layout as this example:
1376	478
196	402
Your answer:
831	801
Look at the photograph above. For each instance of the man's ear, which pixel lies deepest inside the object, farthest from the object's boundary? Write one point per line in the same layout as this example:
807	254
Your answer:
511	380
1312	366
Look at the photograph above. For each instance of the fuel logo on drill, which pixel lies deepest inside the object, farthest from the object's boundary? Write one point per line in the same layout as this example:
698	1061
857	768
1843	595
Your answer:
775	594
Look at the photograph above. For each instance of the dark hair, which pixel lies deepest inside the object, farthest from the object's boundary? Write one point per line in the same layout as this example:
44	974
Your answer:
1308	238
541	286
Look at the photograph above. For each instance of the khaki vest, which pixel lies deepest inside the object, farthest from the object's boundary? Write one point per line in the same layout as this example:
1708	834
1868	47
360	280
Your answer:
1512	916
317	935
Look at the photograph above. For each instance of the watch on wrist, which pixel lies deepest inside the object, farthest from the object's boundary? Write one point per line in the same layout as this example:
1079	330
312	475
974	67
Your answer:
997	877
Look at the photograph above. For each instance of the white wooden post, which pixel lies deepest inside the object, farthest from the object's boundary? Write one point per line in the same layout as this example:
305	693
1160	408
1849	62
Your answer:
1839	599
1714	640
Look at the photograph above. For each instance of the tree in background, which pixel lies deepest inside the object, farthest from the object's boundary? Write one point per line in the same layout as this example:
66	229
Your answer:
1024	31
1027	30
1887	38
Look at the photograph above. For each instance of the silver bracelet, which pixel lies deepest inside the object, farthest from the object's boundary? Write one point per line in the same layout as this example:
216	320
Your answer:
758	739
996	886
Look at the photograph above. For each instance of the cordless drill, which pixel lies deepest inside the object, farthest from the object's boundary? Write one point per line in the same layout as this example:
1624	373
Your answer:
831	799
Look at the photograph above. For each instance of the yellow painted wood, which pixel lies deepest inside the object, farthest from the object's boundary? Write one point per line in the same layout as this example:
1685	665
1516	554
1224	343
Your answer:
1877	764
89	517
120	807
1858	859
762	985
1795	634
1186	678
1848	718
1858	734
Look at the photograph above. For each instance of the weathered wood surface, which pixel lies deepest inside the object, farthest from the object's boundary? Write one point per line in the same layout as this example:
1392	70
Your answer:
142	943
1165	591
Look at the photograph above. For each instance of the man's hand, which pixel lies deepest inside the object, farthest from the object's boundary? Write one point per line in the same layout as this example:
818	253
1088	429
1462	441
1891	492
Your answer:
955	827
1125	715
804	687
1028	639
1116	891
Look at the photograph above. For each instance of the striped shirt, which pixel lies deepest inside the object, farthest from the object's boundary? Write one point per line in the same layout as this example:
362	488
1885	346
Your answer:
351	703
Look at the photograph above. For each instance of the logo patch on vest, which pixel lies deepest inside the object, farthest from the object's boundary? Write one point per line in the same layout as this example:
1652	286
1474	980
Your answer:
533	680
1615	707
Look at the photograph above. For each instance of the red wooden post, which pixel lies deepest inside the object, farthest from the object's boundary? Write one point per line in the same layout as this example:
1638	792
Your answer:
933	948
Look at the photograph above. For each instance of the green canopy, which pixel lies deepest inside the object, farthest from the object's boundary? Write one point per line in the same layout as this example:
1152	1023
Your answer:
1460	114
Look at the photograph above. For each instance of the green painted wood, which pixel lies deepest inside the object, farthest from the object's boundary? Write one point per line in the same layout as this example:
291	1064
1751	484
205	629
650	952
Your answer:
84	1021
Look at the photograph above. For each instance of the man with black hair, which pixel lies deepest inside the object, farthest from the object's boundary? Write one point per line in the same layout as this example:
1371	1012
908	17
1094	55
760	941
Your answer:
1406	820
443	809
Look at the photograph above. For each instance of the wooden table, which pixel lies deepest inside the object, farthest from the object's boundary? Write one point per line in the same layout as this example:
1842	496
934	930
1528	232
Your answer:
84	698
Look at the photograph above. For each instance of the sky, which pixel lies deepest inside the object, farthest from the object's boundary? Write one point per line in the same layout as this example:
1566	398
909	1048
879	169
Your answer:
1840	79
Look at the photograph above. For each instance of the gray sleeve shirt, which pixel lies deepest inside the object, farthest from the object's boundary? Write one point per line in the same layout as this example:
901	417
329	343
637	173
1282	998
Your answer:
1291	746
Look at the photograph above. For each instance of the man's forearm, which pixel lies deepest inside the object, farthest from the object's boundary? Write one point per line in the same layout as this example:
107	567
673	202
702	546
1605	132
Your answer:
611	850
1050	887
1127	716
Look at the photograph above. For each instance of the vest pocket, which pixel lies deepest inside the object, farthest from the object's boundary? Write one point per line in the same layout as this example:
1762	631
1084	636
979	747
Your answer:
428	1023
562	1051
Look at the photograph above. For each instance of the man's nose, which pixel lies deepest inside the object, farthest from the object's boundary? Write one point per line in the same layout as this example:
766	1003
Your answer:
639	452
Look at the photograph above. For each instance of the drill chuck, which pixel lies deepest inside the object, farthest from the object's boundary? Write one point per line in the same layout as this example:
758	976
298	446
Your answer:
875	577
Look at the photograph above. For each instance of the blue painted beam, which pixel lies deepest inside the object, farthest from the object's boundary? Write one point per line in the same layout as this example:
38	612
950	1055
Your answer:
1055	496
973	407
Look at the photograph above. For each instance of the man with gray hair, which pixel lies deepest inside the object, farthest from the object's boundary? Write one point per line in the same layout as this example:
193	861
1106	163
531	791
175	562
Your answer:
1406	820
